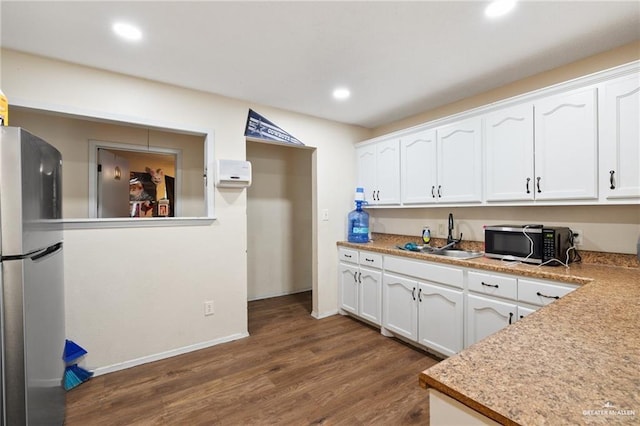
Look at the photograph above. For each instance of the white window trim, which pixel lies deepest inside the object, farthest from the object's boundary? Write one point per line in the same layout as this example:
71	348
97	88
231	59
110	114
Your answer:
91	223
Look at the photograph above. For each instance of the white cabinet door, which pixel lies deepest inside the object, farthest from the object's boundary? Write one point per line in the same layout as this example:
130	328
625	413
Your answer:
348	287
509	154
460	162
620	139
370	295
388	172
566	146
486	316
366	157
418	172
523	312
440	313
399	306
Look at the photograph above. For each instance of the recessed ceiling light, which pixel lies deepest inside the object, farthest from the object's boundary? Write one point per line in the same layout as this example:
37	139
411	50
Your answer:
127	31
499	8
341	93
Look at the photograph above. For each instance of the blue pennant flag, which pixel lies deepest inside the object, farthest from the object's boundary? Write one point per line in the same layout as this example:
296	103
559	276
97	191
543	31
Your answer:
261	128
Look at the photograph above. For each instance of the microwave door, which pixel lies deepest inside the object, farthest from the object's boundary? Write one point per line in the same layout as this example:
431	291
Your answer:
515	245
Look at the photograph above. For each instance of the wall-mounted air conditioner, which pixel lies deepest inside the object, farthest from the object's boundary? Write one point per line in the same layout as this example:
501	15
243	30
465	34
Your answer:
233	173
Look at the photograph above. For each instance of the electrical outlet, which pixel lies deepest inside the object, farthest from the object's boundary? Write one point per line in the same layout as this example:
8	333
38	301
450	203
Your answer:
578	237
325	214
208	308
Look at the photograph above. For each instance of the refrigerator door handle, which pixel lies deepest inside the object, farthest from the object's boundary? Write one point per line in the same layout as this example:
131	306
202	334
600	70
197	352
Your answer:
46	252
36	254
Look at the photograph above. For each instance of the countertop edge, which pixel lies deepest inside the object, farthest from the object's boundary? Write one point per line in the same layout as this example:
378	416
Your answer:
427	382
532	271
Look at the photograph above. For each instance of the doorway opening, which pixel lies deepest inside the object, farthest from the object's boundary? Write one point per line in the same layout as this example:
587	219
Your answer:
280	224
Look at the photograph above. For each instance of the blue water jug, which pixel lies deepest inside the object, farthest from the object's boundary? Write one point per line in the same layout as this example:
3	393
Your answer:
358	225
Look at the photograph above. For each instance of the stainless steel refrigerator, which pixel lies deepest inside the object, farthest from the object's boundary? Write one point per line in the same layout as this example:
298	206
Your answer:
32	331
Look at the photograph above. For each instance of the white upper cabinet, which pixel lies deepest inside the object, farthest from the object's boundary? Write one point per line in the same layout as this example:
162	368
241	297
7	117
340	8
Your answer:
459	163
620	139
509	154
573	143
388	172
418	173
566	146
379	171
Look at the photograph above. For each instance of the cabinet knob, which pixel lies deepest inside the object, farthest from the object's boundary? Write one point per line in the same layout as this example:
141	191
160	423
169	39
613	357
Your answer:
419	294
489	285
433	193
413	293
510	317
528	180
439	192
538	184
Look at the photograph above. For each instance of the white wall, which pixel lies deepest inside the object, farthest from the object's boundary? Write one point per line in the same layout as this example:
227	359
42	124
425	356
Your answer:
612	229
123	312
279	220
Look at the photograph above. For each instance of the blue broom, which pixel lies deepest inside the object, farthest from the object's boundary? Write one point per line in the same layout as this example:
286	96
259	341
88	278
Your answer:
73	374
72	351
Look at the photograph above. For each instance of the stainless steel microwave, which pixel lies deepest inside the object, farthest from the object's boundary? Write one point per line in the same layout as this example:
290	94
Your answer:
535	244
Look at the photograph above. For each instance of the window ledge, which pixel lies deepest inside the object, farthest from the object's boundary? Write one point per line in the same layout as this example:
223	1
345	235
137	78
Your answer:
126	222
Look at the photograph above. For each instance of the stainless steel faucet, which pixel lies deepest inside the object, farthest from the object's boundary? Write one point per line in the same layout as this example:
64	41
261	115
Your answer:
450	240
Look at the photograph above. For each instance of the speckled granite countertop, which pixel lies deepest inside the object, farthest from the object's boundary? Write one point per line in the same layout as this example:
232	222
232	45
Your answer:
576	361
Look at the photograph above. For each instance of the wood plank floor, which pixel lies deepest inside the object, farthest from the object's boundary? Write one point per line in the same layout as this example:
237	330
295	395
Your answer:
292	370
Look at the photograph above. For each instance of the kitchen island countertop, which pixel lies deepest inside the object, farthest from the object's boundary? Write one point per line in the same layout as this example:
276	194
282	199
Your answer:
575	361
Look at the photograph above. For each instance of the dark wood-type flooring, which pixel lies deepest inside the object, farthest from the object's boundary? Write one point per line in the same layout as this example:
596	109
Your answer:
292	370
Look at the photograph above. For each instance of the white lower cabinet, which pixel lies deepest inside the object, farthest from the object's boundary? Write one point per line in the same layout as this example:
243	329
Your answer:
360	287
440	314
523	311
418	307
427	313
541	293
369	295
400	306
485	316
441	307
348	286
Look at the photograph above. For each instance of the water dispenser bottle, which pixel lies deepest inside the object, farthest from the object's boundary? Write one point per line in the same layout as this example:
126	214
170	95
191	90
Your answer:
358	221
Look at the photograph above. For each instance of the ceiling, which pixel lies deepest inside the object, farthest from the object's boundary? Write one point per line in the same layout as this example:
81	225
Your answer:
398	58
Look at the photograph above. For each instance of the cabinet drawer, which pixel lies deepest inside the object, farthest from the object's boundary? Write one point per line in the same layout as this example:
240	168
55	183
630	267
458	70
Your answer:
347	255
427	271
541	293
493	285
373	260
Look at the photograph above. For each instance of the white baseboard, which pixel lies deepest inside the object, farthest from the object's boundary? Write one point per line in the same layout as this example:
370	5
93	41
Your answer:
324	314
286	293
164	355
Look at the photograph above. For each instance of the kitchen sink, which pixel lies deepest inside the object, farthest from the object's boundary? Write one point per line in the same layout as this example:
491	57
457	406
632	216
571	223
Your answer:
446	252
458	254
